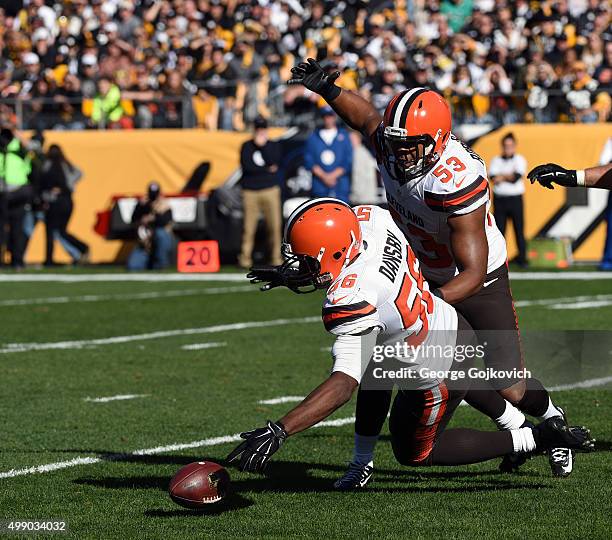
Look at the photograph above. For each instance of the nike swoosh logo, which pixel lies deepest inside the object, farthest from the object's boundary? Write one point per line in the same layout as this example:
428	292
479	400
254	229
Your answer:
487	283
458	184
336	300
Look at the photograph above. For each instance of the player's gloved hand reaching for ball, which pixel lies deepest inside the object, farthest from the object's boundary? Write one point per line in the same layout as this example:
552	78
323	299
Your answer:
315	78
551	173
259	445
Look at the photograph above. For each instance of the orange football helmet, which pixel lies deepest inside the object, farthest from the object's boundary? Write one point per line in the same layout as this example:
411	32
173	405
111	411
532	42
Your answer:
417	127
321	237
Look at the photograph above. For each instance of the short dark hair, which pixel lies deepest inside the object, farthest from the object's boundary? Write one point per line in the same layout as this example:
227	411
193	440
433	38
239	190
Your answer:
509	136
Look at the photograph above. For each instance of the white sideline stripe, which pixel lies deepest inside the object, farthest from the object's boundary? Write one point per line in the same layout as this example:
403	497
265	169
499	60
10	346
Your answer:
590	383
214	441
565	300
114	398
132	296
583	305
282	399
22	347
152	277
200	346
551	276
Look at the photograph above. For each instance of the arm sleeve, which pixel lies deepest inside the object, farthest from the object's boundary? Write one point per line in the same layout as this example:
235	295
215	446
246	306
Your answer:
352	354
350	319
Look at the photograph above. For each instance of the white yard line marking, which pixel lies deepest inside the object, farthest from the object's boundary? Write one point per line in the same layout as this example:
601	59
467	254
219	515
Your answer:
114	398
38	469
589	383
566	300
551	276
282	399
214	441
583	305
133	296
22	347
152	277
200	346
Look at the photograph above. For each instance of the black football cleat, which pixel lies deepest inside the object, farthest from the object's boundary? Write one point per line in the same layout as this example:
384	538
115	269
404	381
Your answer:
555	433
561	459
510	463
357	477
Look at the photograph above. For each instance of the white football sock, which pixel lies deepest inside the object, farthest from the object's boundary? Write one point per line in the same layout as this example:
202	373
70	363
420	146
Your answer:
512	418
364	448
523	440
551	412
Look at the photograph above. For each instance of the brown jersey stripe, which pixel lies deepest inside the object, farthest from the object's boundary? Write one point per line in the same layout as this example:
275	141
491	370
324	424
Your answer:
467	190
450	208
336	315
450	202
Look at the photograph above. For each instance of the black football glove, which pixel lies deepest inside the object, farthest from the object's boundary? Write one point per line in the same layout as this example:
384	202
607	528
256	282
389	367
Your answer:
269	275
550	174
258	447
315	78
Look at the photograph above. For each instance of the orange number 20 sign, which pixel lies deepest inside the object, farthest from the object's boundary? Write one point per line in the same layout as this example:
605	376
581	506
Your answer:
201	256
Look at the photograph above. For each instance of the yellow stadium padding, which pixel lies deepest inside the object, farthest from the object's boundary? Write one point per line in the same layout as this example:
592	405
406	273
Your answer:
571	145
123	162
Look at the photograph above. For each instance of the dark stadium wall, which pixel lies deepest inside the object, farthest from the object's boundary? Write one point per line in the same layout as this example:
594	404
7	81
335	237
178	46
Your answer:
123	162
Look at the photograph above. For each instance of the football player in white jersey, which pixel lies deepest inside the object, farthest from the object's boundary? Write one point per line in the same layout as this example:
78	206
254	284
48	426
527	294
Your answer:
438	194
377	297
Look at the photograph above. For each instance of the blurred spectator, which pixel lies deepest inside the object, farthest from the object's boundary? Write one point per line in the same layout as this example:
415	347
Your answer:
506	171
579	88
58	178
15	195
152	219
329	157
240	53
107	110
261	194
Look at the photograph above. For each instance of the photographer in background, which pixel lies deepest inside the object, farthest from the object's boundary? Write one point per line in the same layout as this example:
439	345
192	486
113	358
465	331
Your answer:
15	194
57	180
506	171
261	194
152	219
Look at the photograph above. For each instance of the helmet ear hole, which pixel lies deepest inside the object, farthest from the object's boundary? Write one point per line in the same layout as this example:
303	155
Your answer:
337	255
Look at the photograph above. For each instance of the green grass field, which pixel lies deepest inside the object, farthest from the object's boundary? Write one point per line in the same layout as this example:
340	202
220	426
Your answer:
57	352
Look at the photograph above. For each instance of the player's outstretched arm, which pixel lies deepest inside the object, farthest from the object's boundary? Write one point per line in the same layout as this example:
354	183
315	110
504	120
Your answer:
551	173
471	251
261	444
320	403
357	112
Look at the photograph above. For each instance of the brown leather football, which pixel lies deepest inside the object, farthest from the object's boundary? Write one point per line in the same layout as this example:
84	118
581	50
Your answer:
199	484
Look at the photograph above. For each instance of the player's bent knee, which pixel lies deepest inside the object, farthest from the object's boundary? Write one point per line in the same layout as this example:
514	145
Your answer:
514	393
409	457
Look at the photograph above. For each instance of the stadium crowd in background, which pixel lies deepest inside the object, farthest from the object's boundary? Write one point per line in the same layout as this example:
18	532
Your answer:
218	64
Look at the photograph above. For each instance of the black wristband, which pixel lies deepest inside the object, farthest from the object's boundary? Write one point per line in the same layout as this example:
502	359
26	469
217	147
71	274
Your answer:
438	293
330	92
